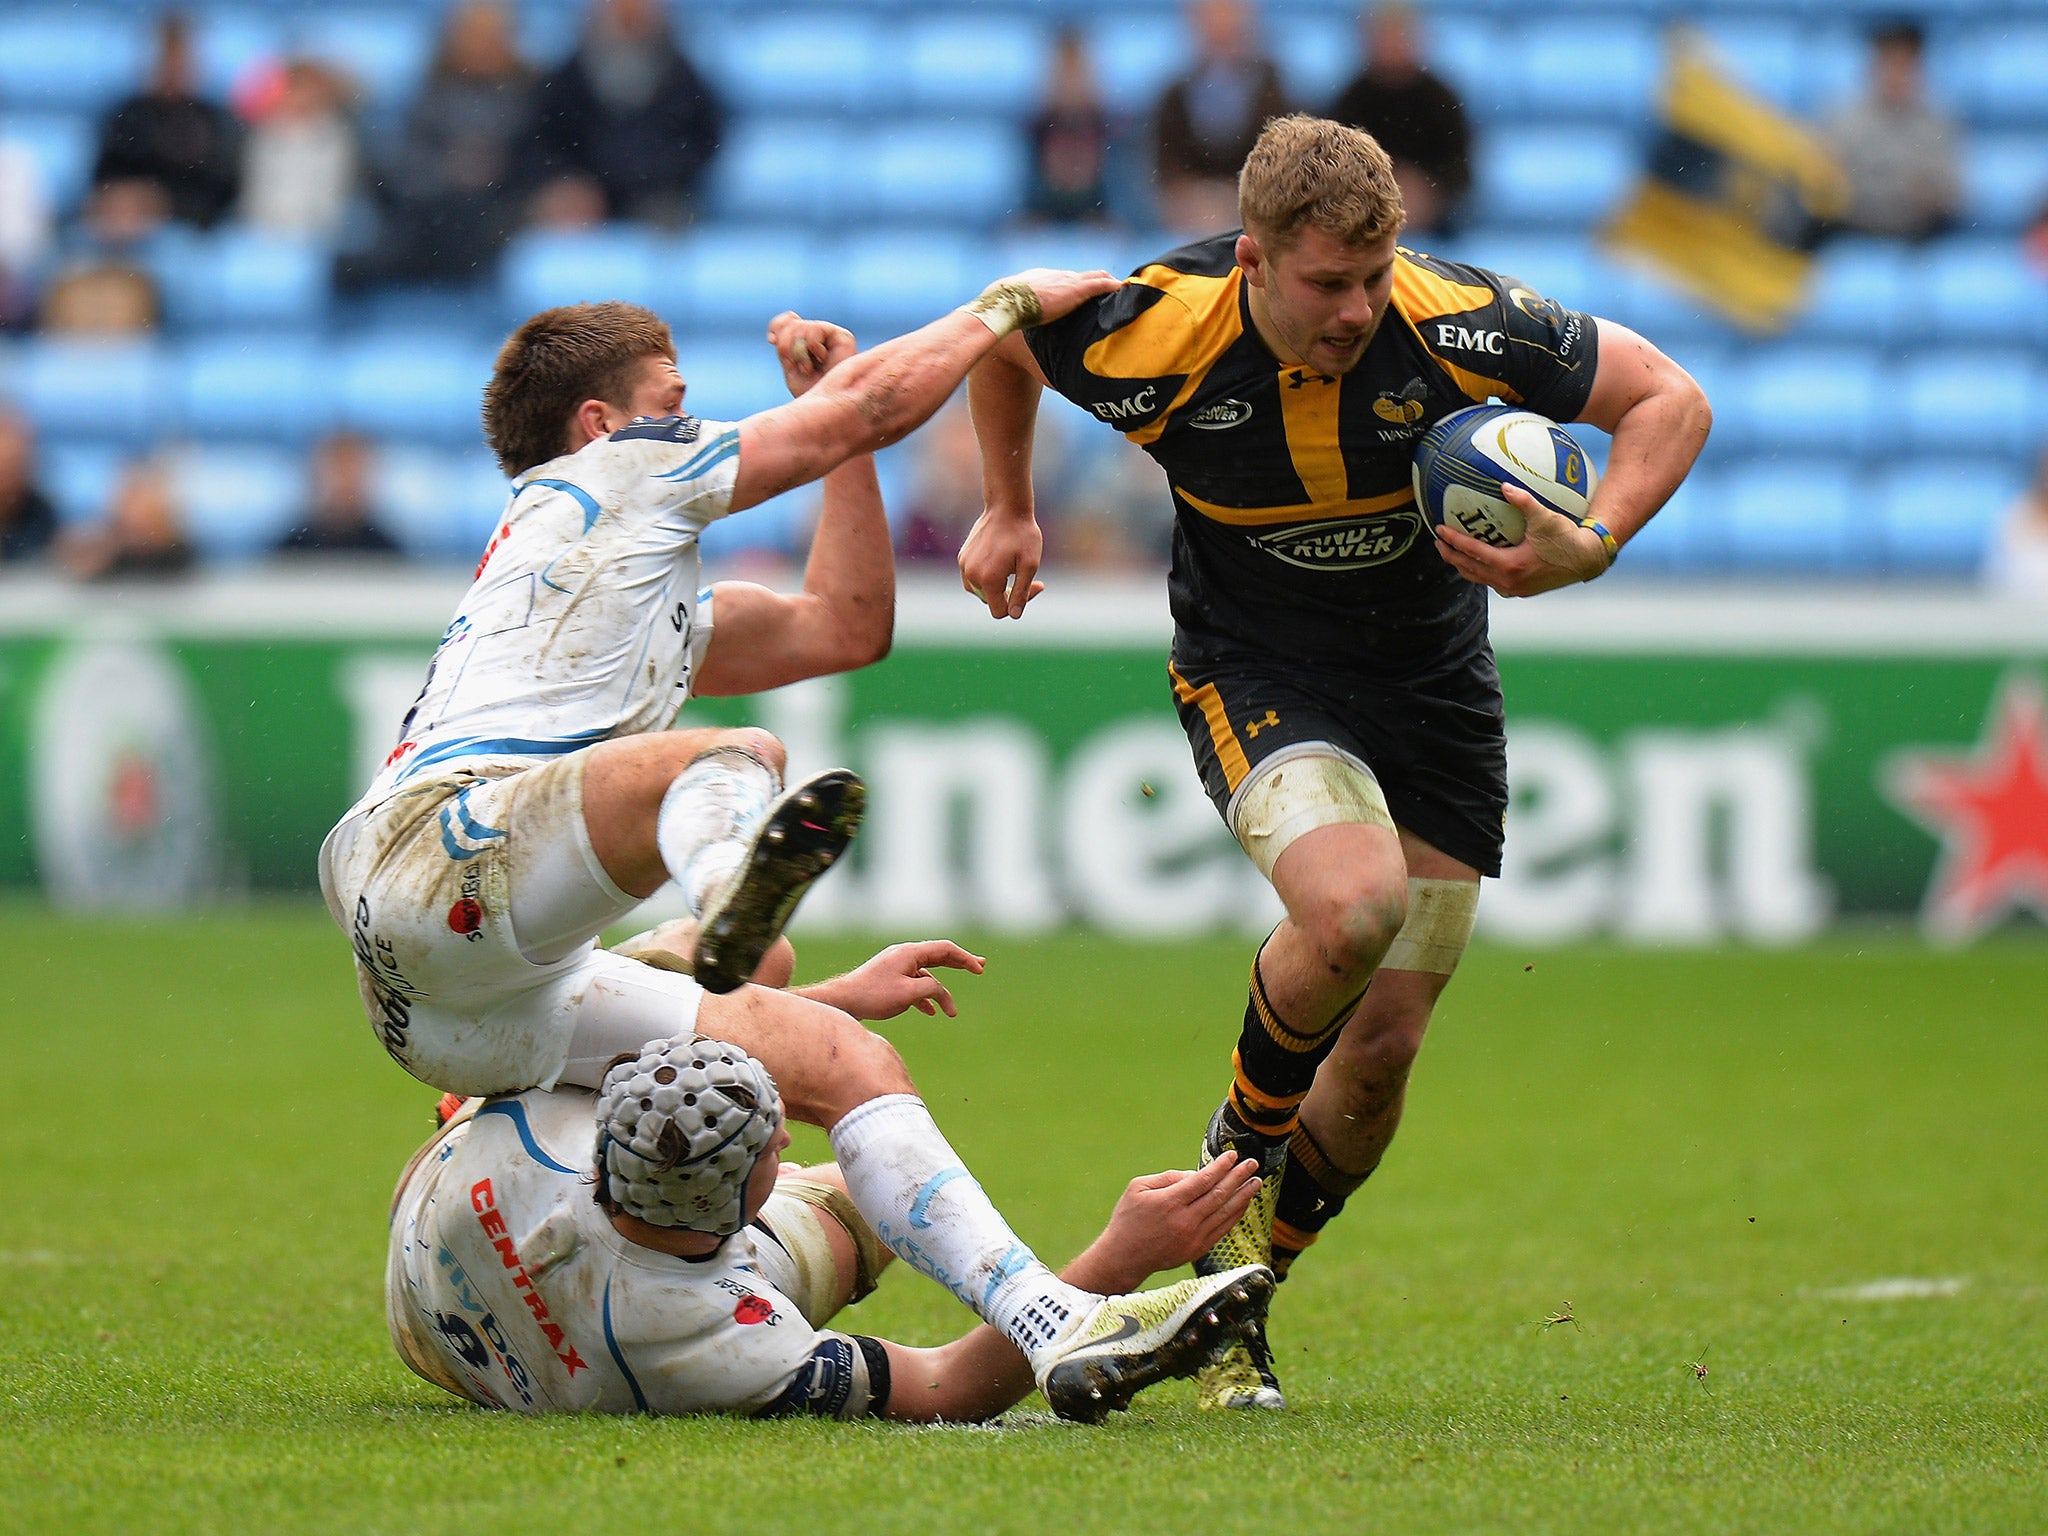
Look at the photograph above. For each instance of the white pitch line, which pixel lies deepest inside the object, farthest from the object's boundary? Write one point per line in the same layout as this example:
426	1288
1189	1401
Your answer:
1900	1289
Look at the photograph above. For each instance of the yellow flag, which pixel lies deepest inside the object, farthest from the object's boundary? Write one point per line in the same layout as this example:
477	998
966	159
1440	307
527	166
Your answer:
1732	196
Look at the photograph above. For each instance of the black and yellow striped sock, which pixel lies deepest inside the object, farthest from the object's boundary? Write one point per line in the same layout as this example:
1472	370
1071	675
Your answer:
1312	1192
1276	1064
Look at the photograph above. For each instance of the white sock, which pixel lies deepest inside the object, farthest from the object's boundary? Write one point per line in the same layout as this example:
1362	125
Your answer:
706	817
927	1207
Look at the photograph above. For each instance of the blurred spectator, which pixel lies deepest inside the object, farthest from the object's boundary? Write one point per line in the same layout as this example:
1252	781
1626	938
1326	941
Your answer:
1070	141
1115	512
945	488
627	118
1898	152
450	188
300	163
26	227
140	536
169	138
2016	560
27	520
1417	118
2034	240
1205	122
102	286
341	517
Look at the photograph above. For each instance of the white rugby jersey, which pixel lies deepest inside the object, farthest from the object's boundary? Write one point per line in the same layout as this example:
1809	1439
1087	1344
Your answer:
584	620
506	1273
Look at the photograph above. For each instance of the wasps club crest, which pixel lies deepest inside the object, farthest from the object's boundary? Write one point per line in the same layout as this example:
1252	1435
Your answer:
1404	409
1345	543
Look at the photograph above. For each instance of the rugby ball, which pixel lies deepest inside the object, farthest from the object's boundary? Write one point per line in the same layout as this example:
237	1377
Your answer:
1462	460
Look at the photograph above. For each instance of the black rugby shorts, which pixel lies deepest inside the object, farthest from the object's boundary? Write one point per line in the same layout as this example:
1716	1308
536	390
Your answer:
1439	749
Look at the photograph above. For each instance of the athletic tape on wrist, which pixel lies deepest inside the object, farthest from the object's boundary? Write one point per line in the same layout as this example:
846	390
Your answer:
1439	926
1005	307
1608	541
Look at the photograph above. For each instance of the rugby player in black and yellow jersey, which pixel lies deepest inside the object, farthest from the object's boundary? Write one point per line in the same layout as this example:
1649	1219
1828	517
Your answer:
1330	654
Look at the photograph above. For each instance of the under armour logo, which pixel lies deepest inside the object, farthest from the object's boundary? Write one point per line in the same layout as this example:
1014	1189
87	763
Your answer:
1296	378
1253	727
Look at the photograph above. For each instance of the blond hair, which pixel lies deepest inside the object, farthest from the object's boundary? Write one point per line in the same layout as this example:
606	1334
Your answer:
1309	170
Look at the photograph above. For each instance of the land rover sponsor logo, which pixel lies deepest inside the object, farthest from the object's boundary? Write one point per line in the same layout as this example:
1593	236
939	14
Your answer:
1344	543
1223	414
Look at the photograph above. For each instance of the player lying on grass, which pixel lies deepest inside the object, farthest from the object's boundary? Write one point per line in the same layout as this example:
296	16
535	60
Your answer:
1330	659
535	794
696	1279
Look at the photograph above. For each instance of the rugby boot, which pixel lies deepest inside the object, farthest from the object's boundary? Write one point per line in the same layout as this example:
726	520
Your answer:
448	1108
1130	1342
1243	1377
801	836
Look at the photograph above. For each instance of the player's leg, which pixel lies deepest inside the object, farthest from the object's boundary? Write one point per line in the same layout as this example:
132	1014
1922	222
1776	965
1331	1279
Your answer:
702	808
1352	1112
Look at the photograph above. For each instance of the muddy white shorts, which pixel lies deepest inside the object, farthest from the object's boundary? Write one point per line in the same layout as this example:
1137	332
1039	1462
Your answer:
427	885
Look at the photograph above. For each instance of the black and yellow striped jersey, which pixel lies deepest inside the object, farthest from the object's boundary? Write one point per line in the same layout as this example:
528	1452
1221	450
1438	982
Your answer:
1296	533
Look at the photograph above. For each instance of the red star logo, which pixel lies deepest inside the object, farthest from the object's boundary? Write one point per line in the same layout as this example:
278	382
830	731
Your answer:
1989	807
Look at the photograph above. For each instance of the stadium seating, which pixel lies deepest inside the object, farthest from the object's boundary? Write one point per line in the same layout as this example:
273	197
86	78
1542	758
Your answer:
872	170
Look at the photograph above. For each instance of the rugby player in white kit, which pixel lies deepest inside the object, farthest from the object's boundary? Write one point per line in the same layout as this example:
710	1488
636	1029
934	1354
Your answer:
636	1251
534	796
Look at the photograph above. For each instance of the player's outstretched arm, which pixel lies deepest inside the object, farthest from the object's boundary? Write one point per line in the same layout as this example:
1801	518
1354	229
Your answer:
1659	418
844	618
896	980
879	397
1163	1221
999	560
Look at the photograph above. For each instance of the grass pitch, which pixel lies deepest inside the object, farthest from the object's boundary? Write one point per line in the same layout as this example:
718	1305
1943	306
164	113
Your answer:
1819	1174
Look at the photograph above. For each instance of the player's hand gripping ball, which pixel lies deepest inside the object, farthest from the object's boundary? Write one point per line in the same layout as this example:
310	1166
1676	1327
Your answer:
1462	461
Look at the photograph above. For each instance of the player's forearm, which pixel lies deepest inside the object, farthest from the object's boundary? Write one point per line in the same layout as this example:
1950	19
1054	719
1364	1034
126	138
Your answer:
851	572
1002	400
1655	444
896	387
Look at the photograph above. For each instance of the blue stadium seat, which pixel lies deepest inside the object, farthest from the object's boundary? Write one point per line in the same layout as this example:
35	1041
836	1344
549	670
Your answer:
1803	398
970	61
1557	266
62	146
109	391
1604	69
1671	317
1971	402
898	280
1684	537
1836	68
1554	178
781	170
228	42
1766	54
729	378
1860	290
239	501
541	269
1791	515
255	387
440	505
1074	248
955	171
69	58
414	387
793	61
1980	290
1317	55
80	477
1935	516
385	52
243	277
1136	57
2005	177
740	278
1465	50
2007	63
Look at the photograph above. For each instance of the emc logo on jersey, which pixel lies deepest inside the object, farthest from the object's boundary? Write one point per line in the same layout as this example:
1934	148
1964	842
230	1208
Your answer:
1143	403
1493	343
